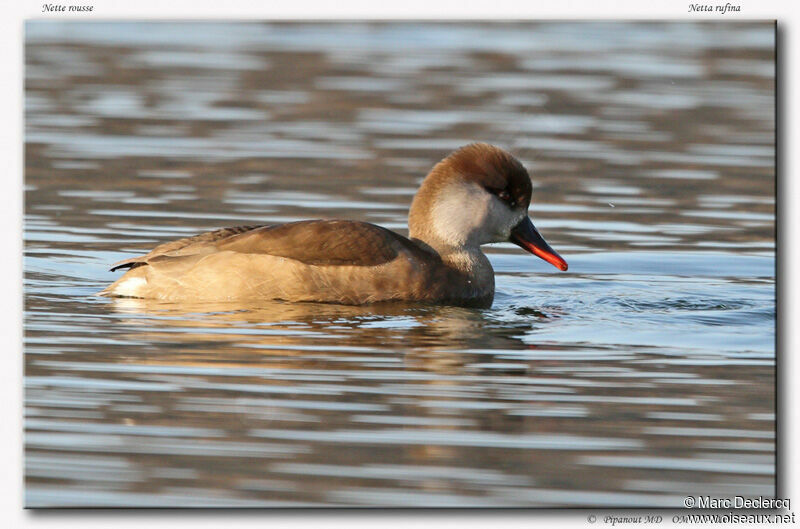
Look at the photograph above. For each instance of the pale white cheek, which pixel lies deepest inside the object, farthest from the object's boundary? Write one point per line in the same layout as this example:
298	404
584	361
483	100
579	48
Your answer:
460	213
466	214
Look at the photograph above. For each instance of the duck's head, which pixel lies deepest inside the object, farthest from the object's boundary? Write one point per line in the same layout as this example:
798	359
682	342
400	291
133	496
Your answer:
478	195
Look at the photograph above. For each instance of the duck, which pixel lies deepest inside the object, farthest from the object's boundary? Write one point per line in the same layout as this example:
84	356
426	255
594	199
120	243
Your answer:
479	194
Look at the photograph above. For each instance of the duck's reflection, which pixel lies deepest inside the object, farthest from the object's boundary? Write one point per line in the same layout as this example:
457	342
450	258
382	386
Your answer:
319	373
423	336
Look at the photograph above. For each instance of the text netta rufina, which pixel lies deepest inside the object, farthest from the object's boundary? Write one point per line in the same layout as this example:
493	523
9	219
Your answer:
478	195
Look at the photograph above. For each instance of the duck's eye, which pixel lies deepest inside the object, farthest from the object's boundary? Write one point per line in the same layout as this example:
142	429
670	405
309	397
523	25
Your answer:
503	195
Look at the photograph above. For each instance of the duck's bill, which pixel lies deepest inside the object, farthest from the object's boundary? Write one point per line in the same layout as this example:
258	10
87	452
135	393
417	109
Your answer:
526	236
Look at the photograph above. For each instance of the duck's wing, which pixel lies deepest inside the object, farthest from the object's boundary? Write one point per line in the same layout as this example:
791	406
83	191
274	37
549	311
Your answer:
313	242
323	242
201	243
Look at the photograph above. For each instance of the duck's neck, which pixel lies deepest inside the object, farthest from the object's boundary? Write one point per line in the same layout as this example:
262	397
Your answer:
445	227
470	263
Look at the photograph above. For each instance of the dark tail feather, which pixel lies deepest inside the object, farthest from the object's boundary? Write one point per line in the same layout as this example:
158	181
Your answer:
131	265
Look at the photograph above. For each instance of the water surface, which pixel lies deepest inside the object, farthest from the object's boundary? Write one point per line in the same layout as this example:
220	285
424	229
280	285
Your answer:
643	374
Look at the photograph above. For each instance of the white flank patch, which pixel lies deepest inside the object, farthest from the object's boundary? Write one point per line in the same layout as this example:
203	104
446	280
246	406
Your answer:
130	287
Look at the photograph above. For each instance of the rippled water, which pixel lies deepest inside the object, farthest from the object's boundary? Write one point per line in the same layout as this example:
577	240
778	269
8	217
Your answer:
643	374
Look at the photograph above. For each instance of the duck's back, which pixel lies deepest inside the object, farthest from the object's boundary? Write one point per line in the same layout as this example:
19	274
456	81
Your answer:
327	261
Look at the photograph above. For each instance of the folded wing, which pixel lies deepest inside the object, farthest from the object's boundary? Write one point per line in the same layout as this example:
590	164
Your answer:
313	242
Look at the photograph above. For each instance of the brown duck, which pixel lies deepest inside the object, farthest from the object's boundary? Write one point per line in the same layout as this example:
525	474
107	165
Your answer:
478	195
